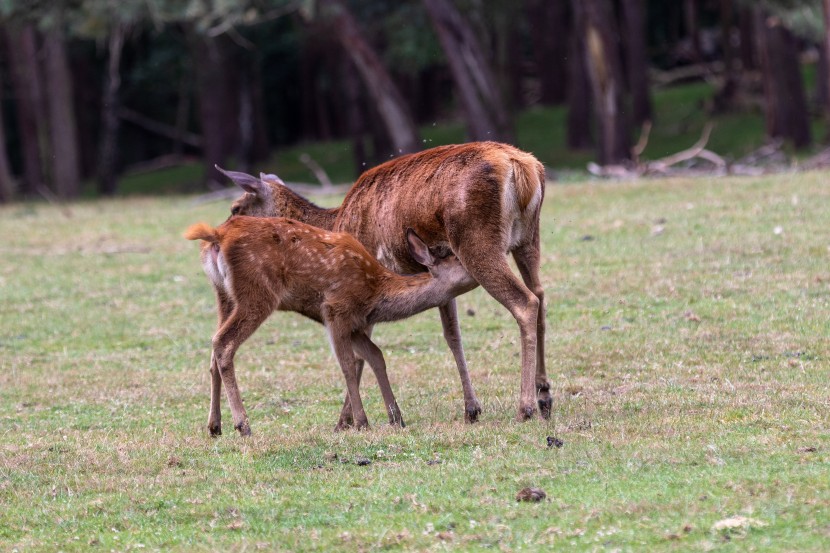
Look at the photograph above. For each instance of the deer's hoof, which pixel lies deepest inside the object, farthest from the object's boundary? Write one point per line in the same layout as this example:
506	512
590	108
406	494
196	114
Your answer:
471	413
362	425
545	407
525	413
244	428
215	430
341	426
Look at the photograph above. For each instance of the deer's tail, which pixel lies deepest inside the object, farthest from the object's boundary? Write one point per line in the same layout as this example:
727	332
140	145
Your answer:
202	231
529	176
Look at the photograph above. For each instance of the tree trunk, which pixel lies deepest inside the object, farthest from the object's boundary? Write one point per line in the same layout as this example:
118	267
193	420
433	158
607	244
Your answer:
30	106
579	96
355	118
824	71
748	49
550	24
605	75
6	180
108	146
634	25
481	99
218	128
63	131
388	100
785	100
693	29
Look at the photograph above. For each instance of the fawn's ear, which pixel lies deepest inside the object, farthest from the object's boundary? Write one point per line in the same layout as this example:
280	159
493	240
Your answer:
246	182
419	250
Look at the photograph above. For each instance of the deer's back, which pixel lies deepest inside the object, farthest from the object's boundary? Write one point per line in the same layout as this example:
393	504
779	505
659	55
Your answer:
437	192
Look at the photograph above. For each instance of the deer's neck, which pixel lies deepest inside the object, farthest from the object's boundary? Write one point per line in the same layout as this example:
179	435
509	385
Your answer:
293	206
404	296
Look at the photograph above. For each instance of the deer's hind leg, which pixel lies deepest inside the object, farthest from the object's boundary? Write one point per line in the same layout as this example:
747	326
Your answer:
482	251
527	260
225	307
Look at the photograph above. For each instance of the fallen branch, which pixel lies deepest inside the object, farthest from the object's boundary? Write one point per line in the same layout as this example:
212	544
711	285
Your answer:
662	165
318	171
157	127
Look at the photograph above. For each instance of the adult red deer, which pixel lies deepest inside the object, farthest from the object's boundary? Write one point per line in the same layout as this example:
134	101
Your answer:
482	200
261	265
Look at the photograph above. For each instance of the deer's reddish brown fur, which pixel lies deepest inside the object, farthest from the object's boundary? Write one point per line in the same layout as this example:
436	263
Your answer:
481	200
261	265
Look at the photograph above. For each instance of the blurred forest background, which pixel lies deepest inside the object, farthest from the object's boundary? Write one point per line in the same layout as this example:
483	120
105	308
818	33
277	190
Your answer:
106	97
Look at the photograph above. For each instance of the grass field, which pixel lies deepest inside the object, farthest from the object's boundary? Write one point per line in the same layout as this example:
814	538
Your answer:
688	334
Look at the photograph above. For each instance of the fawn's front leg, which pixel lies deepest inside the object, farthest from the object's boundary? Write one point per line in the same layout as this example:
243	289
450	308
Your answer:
367	349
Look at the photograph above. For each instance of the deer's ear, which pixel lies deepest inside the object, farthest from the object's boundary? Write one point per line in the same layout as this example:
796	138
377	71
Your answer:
419	250
246	182
272	178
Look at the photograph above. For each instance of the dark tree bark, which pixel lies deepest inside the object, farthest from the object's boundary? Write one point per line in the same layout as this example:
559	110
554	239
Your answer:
6	180
605	75
636	57
822	98
824	62
746	28
30	104
396	116
355	118
690	12
727	93
216	105
63	130
508	39
579	96
108	145
549	29
784	97
481	99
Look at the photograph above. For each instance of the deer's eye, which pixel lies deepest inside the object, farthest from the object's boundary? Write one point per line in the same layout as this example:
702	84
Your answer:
235	210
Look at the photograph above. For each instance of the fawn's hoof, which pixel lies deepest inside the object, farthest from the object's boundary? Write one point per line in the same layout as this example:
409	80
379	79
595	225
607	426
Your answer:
471	413
545	407
525	413
215	430
244	428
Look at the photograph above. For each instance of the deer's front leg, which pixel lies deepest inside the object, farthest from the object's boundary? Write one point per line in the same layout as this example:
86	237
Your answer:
452	334
364	346
346	420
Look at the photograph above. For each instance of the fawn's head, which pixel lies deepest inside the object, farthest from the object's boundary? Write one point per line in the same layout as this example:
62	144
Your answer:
447	268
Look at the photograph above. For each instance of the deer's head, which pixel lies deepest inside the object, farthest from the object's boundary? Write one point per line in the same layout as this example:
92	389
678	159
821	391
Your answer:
259	199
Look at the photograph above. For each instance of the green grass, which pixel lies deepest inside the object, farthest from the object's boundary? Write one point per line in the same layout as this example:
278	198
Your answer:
687	347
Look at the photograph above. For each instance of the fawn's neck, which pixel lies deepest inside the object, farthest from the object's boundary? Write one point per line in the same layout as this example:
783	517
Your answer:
404	296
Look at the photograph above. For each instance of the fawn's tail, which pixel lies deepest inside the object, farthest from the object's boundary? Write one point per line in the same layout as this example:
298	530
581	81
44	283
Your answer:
202	231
